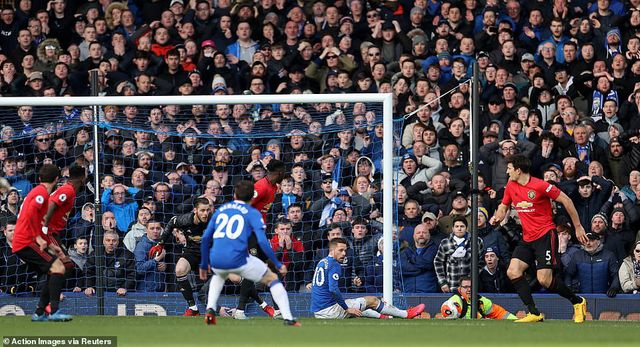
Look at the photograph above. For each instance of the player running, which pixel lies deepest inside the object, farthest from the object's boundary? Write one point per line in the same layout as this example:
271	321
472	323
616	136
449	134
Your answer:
31	245
531	198
229	231
263	197
187	229
327	301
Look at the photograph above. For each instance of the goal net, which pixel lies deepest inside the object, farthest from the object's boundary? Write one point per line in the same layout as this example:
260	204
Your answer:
151	158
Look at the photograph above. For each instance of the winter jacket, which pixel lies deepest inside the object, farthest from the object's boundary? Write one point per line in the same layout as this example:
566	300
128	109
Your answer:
125	213
119	271
627	276
596	272
364	251
20	183
493	156
149	279
588	207
133	236
494	239
450	269
418	272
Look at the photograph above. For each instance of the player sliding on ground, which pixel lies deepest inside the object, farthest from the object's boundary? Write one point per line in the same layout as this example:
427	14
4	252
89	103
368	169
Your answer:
327	301
531	198
229	231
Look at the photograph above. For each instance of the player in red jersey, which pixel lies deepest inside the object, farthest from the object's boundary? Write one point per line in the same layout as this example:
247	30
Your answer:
531	198
60	206
263	196
30	244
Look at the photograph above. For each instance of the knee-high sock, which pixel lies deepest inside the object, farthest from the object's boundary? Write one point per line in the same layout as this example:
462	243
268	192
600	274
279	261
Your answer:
215	287
390	310
369	313
186	290
558	286
44	298
279	295
524	292
56	282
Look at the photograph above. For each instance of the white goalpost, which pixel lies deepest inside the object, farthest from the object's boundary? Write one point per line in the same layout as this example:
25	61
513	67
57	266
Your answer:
387	153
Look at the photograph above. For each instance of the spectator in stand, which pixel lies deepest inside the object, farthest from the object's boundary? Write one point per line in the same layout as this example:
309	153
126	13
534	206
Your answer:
416	262
79	254
137	230
290	252
453	259
493	276
115	200
595	268
15	276
629	272
150	268
119	270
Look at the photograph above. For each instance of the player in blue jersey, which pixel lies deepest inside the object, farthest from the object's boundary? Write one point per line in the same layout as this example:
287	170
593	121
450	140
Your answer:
327	301
229	230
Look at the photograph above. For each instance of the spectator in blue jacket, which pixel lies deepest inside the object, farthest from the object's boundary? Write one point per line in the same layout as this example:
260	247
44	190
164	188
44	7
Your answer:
416	263
595	268
115	200
150	270
10	170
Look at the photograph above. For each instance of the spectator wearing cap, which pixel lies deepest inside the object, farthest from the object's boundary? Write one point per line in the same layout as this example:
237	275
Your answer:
618	236
416	261
493	276
595	268
453	259
491	237
459	206
11	206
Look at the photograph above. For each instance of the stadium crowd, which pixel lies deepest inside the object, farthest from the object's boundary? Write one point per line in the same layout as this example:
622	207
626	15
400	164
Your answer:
560	83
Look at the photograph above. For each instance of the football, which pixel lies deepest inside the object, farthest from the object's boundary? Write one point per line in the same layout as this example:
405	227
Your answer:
450	310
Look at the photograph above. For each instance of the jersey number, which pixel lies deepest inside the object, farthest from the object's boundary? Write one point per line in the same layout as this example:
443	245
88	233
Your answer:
229	227
318	277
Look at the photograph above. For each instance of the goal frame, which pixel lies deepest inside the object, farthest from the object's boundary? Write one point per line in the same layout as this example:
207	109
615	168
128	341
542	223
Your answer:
387	115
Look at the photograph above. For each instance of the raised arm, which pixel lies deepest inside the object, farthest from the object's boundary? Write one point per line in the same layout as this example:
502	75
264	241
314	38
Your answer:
571	210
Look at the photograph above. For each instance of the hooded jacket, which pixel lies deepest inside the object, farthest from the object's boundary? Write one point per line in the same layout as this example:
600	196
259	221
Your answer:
45	64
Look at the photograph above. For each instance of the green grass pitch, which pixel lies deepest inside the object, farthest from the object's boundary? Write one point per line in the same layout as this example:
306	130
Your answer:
191	331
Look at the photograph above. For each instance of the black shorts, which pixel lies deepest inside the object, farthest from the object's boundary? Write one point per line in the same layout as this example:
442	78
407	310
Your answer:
541	253
193	257
37	260
256	251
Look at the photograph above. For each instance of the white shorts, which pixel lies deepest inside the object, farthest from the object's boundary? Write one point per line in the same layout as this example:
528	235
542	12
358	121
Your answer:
337	312
253	270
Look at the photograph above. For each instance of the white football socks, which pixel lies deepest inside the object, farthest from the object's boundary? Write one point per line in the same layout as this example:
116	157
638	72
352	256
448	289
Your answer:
392	311
279	295
215	287
369	313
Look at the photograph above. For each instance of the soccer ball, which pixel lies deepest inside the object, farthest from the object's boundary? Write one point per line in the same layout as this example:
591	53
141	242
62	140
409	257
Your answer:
450	310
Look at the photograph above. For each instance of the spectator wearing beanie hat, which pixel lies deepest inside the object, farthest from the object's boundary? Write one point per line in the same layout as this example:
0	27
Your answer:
492	238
